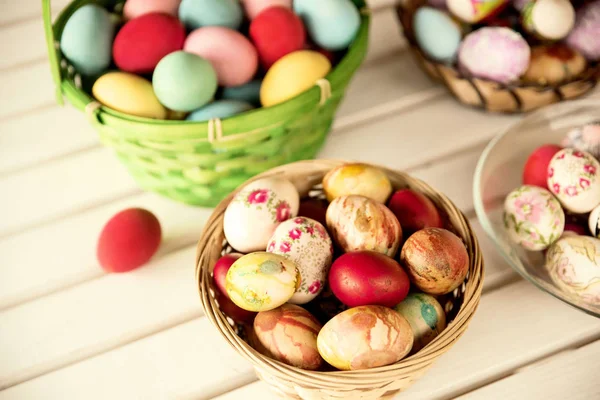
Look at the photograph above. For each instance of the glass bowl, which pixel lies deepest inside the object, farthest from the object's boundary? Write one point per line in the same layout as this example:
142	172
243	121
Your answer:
499	171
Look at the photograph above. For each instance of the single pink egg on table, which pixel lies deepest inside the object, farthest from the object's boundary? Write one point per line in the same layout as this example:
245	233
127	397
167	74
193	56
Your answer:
231	54
255	7
135	8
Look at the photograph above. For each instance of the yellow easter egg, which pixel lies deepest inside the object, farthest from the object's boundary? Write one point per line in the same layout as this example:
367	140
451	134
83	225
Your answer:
128	93
292	75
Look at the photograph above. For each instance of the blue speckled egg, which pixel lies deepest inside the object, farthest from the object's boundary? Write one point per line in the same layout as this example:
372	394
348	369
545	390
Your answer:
331	24
250	92
198	13
437	34
220	109
86	40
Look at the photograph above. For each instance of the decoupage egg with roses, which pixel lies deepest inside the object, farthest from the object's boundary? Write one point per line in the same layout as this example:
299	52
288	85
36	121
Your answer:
307	243
256	210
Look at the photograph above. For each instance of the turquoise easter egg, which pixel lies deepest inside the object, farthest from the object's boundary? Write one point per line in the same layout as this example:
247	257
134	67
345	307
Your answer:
426	318
198	13
184	81
250	92
332	24
86	40
437	34
220	109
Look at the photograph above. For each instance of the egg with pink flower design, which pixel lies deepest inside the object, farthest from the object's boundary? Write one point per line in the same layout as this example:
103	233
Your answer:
533	218
256	210
573	179
307	243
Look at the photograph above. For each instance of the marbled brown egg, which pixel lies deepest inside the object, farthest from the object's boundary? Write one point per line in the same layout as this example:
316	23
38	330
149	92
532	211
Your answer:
359	223
365	337
436	260
289	334
357	178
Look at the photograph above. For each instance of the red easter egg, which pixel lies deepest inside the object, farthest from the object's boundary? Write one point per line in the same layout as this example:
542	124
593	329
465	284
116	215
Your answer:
414	211
536	168
144	41
220	271
275	32
367	277
128	240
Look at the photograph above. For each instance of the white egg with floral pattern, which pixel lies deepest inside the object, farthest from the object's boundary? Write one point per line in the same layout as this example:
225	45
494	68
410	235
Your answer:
573	178
533	218
256	210
307	243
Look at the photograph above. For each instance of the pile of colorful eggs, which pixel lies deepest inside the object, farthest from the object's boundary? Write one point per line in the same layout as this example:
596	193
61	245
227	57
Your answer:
353	281
557	210
530	41
204	59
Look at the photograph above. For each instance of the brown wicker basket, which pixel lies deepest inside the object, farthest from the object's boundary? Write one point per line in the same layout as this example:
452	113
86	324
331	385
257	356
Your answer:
489	95
383	382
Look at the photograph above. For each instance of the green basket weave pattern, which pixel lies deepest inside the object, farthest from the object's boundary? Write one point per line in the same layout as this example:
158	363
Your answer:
200	163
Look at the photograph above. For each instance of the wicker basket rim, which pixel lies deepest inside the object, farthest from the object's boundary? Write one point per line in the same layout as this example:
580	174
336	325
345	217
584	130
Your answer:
212	236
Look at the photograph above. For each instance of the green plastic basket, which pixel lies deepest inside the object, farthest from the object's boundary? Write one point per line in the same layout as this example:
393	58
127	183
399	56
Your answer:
200	163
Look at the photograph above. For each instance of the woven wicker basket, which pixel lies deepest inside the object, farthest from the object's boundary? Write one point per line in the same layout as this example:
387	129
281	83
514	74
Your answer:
201	162
293	383
489	95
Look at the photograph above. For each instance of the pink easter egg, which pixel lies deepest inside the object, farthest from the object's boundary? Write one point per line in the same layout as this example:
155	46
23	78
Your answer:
233	57
135	8
255	7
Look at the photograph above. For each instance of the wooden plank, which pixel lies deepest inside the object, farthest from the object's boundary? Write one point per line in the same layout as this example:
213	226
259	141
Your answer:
22	43
25	89
569	375
60	261
187	361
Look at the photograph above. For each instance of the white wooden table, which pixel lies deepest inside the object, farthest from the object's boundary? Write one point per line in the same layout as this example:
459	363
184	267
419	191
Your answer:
68	331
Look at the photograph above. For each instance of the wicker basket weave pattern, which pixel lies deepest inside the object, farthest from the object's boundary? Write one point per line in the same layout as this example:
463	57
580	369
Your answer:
489	95
201	162
383	382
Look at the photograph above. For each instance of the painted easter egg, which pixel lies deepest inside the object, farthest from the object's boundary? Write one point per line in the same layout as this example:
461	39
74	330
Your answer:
359	179
436	260
291	35
573	263
331	24
86	40
585	138
249	92
359	223
550	19
254	7
473	11
198	13
366	277
128	240
437	34
495	53
535	171
573	178
365	337
554	64
128	93
289	334
220	109
184	82
221	267
307	243
414	211
230	309
584	36
256	210
232	56
261	281
426	317
292	75
134	8
144	41
533	218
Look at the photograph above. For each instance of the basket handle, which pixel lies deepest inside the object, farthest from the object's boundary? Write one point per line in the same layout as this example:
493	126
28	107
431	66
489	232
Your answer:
52	56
